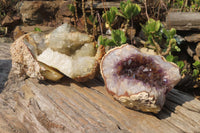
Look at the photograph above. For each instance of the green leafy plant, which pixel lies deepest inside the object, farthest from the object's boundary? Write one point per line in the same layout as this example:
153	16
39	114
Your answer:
110	16
155	31
174	59
93	19
128	10
184	5
196	70
178	4
37	29
118	38
72	8
195	5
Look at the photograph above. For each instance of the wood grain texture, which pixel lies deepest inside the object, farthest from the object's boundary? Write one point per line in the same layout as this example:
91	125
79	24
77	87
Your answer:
32	106
40	106
5	63
101	5
183	20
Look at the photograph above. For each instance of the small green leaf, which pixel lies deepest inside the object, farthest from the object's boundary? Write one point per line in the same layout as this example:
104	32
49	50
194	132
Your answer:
110	42
114	9
119	37
120	14
180	64
93	19
102	40
183	71
196	64
175	59
157	25
170	58
177	49
105	41
195	73
172	32
129	10
37	29
71	8
122	6
110	15
152	27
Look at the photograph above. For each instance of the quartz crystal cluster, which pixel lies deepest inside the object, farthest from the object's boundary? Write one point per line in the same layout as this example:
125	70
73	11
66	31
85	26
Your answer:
138	80
64	51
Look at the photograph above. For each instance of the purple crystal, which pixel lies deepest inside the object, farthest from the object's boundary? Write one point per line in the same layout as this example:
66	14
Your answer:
138	80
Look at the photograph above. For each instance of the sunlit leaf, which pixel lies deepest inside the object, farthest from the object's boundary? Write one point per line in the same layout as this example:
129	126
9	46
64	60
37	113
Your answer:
71	8
37	29
180	64
119	37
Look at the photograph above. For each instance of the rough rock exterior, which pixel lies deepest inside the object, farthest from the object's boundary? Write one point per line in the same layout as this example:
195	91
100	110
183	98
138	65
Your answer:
24	62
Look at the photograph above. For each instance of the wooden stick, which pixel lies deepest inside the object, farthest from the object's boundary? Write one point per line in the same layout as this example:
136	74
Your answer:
158	49
76	14
91	8
145	4
84	16
168	49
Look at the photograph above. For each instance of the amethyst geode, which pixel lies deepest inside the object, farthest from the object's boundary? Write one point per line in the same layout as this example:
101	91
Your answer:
137	80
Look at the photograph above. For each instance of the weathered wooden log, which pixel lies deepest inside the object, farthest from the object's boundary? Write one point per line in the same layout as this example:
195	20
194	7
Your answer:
101	5
5	63
183	20
29	105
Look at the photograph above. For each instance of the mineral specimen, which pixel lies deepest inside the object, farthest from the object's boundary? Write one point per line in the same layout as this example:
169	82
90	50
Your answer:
138	80
62	51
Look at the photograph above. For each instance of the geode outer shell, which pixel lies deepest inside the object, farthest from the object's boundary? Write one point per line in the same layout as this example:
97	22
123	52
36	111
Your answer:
64	51
24	62
138	80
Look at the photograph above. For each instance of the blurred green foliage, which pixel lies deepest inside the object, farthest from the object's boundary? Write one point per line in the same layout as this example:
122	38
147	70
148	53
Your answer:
118	38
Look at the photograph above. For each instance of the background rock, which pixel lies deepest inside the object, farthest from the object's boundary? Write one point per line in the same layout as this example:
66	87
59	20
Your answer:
198	50
21	30
193	38
38	12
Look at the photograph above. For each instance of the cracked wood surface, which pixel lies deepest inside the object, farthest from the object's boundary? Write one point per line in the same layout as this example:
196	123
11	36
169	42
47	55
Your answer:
29	105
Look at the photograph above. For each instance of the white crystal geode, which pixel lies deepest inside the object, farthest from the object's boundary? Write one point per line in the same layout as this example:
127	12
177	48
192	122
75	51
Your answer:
138	80
64	51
